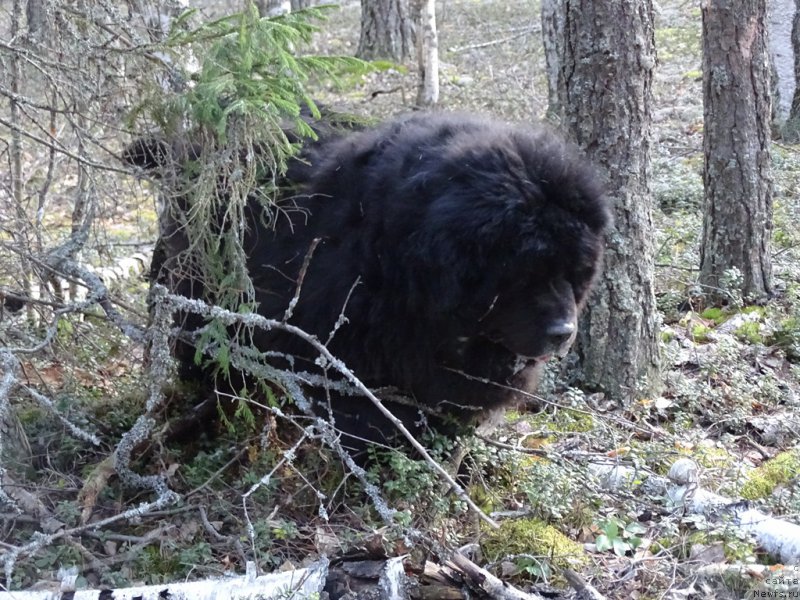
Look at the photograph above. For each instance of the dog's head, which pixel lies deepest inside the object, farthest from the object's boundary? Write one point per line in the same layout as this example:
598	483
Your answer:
514	238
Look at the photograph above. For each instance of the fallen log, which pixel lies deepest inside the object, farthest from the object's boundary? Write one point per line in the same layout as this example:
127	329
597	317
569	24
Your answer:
300	583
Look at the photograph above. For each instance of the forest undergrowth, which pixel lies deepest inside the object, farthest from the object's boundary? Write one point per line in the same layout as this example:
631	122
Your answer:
730	400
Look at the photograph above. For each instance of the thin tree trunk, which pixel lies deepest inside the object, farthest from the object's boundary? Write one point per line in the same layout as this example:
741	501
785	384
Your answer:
604	75
18	233
779	22
791	130
428	55
737	222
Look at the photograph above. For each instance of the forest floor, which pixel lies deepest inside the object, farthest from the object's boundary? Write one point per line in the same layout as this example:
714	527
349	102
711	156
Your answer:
730	402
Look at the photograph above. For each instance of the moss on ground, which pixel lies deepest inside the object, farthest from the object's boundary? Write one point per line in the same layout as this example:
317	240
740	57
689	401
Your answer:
532	537
761	482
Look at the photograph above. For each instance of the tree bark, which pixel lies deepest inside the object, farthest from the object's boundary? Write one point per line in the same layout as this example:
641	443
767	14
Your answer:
605	63
553	41
737	223
387	30
428	54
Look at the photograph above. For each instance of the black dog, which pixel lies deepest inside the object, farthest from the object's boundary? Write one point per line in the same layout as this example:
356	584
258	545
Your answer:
460	250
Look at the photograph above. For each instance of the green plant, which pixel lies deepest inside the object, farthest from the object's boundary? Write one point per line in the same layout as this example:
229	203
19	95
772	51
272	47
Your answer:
736	543
403	479
535	567
731	282
159	565
619	536
203	465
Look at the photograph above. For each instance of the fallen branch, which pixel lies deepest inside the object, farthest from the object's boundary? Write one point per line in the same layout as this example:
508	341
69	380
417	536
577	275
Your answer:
583	590
524	32
481	579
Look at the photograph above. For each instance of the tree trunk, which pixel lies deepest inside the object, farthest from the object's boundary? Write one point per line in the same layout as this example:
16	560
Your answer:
387	30
273	8
791	130
605	68
779	22
428	54
737	221
780	15
553	41
300	4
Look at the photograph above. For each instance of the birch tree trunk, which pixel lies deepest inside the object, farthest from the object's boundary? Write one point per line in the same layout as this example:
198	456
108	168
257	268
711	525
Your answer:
605	58
737	223
428	54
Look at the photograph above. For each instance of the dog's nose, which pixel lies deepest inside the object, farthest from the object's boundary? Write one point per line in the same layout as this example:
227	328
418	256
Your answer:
559	334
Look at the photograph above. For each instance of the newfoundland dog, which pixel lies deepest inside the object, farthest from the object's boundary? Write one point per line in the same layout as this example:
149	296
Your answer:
451	256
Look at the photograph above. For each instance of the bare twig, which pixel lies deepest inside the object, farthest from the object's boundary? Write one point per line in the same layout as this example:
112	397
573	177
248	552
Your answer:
300	279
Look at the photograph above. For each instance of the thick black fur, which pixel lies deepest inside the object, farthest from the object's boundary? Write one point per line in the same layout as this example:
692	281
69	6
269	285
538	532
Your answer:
459	248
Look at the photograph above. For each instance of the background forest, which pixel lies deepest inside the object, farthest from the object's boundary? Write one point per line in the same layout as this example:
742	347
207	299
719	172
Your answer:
686	485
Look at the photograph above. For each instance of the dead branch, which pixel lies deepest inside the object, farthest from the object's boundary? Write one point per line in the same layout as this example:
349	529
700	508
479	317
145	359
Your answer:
584	590
481	579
